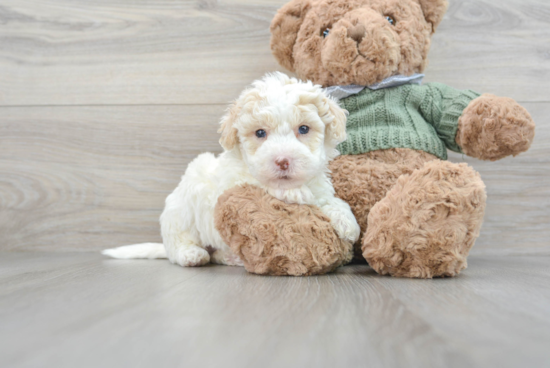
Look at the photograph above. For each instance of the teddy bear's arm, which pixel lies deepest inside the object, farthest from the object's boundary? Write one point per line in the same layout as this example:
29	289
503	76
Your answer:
486	127
492	128
442	107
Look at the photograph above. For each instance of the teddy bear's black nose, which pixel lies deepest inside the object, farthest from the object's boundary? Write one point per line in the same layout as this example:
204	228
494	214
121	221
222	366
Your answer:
357	33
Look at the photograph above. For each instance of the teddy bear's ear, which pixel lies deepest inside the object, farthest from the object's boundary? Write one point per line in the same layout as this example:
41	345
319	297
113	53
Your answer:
434	10
229	138
284	31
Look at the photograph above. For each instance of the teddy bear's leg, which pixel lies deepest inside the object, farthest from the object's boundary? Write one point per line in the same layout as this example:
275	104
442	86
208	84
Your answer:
363	180
275	238
427	223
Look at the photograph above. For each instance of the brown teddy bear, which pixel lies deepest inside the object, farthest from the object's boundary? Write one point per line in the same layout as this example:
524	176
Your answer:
419	214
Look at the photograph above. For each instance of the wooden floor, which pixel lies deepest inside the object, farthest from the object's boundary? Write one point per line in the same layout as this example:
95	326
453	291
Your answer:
102	106
82	310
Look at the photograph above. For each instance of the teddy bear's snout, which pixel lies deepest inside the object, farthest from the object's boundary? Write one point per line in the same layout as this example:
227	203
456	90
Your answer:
361	48
357	33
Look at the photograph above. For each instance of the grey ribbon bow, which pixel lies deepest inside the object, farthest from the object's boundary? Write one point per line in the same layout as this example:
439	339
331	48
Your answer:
340	92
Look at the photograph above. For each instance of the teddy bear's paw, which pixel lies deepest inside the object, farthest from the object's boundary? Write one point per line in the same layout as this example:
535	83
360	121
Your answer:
427	223
494	127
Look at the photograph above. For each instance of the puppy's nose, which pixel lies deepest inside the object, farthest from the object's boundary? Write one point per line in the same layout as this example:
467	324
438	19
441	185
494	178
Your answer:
282	163
357	33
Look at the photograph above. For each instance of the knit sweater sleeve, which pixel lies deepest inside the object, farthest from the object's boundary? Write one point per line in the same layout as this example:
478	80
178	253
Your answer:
442	106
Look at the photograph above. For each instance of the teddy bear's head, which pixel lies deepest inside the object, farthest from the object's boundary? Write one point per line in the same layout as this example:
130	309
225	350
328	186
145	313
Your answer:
341	42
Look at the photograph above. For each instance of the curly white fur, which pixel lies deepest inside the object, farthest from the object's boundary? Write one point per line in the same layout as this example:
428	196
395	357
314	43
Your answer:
278	105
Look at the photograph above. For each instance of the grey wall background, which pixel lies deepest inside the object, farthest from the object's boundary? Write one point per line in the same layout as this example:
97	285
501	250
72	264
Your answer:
103	104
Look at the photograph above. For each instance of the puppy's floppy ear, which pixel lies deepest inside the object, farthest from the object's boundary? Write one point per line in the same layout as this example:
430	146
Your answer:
434	10
229	138
284	31
335	131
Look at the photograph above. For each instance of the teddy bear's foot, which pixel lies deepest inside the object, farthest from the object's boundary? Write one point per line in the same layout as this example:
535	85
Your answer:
275	238
363	180
427	223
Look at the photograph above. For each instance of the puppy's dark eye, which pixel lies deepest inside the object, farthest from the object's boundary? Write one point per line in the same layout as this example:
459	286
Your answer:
260	133
391	20
326	32
304	129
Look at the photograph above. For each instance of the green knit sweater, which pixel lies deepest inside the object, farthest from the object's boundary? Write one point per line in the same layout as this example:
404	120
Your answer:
423	118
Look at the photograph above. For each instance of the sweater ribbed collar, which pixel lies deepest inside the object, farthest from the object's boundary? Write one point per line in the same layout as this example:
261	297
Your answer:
340	92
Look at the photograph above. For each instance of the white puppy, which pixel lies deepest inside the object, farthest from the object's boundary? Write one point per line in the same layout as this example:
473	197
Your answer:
279	135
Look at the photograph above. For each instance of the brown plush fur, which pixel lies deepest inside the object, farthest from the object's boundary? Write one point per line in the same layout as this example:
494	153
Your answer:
362	46
433	11
494	127
427	223
419	215
363	180
274	238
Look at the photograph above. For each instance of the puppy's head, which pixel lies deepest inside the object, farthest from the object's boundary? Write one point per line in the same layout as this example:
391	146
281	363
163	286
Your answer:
285	130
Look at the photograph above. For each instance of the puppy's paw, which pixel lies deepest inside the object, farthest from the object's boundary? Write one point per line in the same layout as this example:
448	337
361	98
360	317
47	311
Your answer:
347	229
190	257
343	222
226	258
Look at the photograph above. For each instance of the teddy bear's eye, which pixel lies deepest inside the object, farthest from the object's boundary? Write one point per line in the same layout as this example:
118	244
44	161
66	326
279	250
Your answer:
326	32
391	20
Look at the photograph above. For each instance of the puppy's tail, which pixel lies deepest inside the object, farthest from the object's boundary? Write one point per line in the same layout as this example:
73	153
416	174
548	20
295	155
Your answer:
137	251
